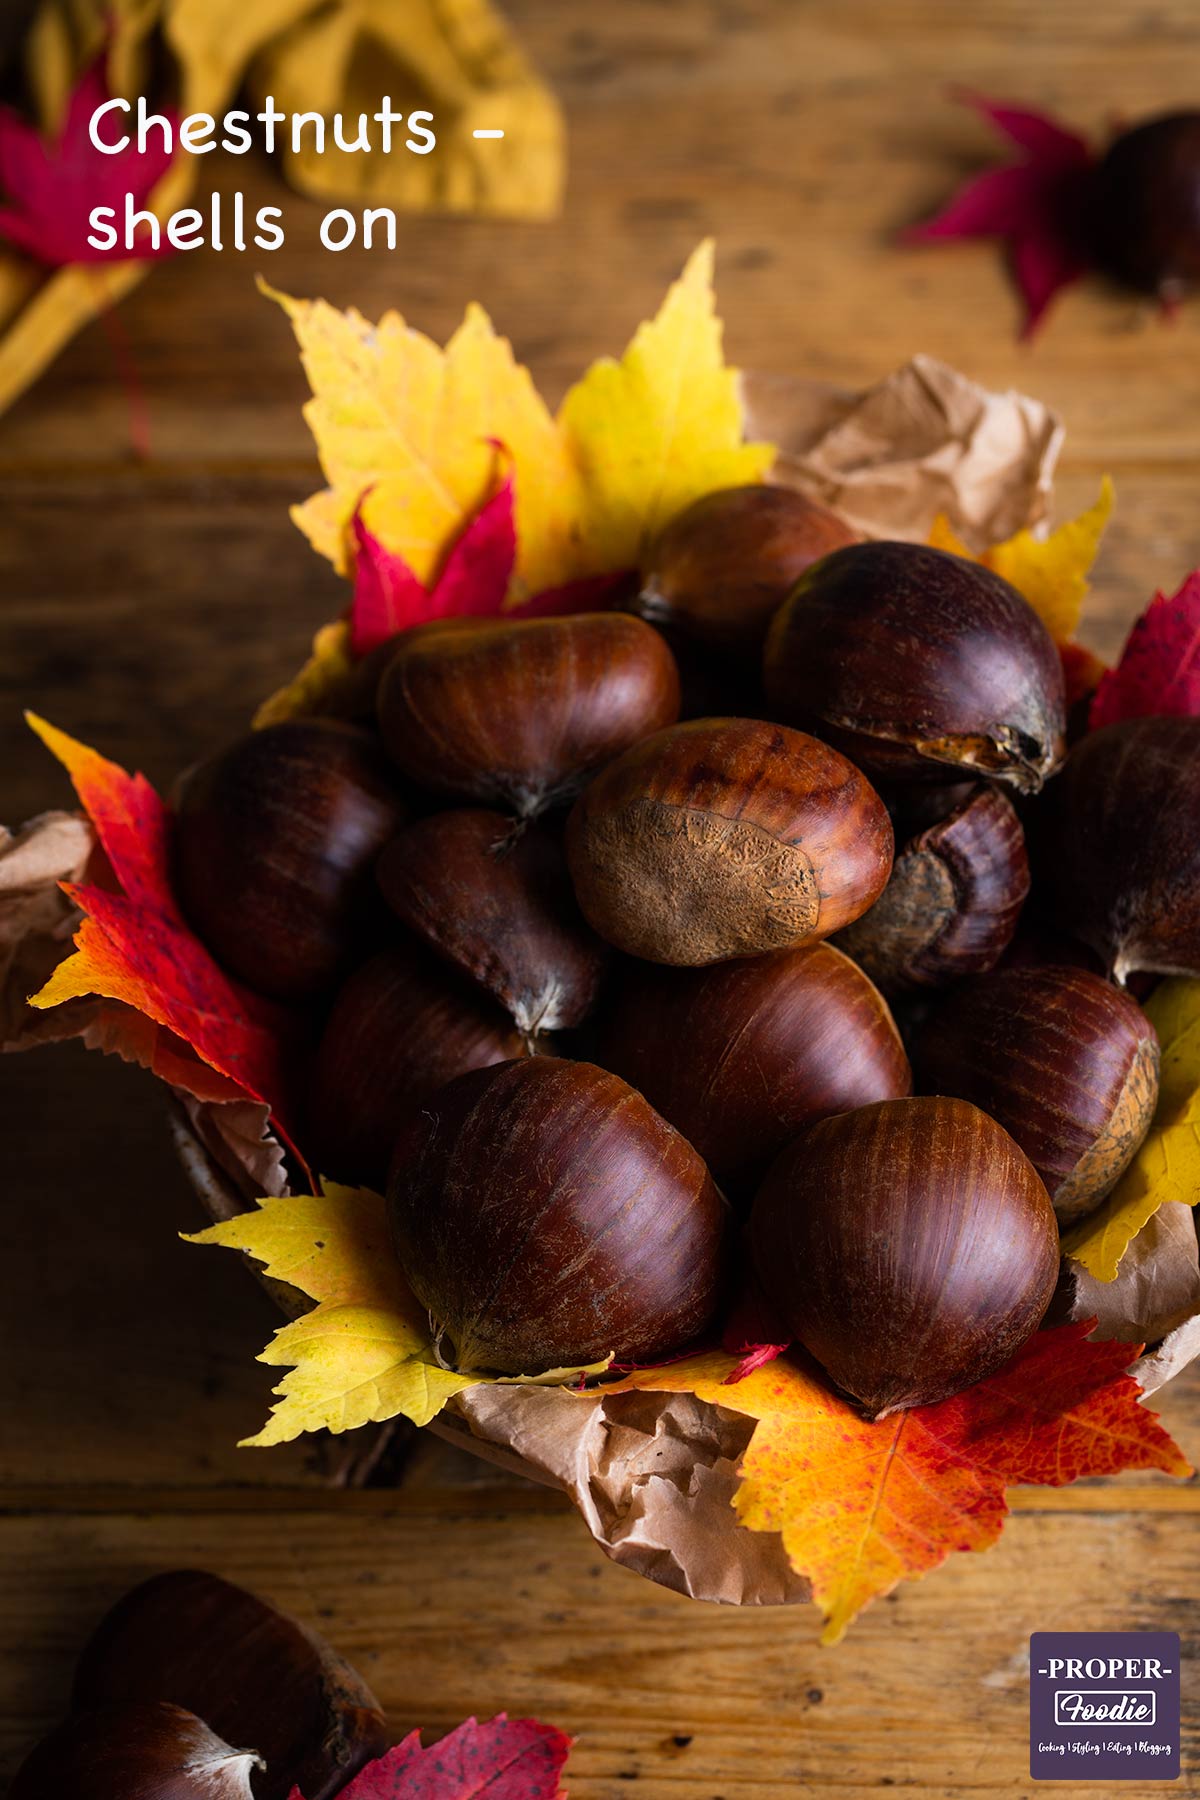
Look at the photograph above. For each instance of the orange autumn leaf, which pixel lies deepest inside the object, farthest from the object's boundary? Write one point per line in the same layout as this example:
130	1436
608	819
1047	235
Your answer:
864	1505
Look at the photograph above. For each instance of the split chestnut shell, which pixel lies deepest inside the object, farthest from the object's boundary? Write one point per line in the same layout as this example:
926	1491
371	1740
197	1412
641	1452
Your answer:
909	1246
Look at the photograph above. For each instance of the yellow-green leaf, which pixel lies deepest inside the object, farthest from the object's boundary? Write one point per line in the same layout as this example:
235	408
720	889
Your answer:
326	669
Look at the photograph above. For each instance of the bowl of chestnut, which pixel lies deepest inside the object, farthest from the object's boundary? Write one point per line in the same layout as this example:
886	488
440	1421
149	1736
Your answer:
765	926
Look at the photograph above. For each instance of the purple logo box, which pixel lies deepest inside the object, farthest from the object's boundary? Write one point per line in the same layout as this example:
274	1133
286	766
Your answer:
1104	1706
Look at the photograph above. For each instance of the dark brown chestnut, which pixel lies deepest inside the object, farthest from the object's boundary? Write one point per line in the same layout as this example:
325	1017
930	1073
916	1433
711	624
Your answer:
1063	1060
401	1026
1119	846
726	837
143	1750
723	565
912	661
909	1246
498	904
1145	212
739	1056
518	713
546	1216
256	1675
274	843
953	900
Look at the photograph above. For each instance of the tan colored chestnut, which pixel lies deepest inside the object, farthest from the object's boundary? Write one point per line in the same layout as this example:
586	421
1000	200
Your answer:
953	900
142	1750
909	1246
723	565
497	903
726	837
741	1055
518	713
1065	1061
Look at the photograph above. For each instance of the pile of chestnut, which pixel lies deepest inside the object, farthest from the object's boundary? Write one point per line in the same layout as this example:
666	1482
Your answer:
597	924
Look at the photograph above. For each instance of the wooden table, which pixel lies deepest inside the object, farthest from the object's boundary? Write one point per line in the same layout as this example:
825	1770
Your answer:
146	607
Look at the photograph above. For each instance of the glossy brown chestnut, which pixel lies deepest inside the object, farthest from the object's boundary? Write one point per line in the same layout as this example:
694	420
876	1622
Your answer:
545	1215
498	904
401	1026
517	713
741	1055
726	837
912	661
1119	846
257	1676
723	565
144	1750
1146	206
909	1246
274	843
953	900
1066	1062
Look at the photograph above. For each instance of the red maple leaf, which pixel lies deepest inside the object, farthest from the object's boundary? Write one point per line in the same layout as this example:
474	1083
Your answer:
506	1759
1037	204
51	187
1159	668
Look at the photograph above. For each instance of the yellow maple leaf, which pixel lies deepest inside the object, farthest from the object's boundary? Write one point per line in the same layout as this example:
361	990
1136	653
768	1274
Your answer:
1051	572
329	665
1167	1167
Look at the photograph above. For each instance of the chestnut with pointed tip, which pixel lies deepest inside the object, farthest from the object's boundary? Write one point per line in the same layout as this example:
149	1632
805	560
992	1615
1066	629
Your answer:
909	1246
913	662
726	837
724	564
273	847
497	902
546	1216
952	902
141	1750
1066	1062
741	1055
1145	206
518	713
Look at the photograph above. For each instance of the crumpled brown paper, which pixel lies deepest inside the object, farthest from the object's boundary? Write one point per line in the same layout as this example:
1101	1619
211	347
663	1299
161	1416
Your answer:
653	1475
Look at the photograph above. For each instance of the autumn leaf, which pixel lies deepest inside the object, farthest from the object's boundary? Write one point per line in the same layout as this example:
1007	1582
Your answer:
1159	668
1167	1167
506	1759
864	1505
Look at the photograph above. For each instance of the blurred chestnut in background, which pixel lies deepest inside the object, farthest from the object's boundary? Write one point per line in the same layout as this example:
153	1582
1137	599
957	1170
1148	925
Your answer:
739	1056
912	661
545	1215
952	902
909	1246
498	904
1145	211
1118	845
274	843
517	713
726	837
144	1750
724	564
400	1027
1066	1062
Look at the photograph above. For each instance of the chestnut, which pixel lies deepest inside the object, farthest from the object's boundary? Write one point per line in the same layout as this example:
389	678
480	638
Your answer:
739	1056
726	837
726	562
912	660
142	1750
1119	846
400	1027
953	900
909	1246
545	1216
517	713
274	843
1145	211
498	904
1066	1062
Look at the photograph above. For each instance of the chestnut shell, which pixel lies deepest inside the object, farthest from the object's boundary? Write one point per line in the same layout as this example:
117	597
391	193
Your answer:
139	1750
545	1215
1145	212
741	1055
909	1246
912	661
